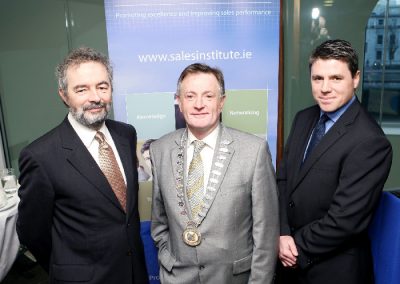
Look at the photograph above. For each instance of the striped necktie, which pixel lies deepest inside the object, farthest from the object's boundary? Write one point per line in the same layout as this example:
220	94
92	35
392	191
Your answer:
318	133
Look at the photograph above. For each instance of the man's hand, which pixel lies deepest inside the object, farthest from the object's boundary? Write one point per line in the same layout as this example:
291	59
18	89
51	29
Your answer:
287	251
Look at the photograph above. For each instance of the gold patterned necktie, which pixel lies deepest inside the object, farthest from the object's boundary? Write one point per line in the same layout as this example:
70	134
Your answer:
109	166
195	184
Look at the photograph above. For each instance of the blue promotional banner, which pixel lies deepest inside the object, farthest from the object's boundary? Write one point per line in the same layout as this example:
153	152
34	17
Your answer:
151	42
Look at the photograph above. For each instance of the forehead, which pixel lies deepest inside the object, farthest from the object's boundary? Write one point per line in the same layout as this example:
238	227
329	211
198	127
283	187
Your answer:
86	70
199	81
330	66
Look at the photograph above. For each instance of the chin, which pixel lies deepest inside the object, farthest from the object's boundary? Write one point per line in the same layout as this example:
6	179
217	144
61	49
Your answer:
327	108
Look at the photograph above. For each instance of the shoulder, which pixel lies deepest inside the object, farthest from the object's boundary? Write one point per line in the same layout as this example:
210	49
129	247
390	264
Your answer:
120	127
311	111
168	139
366	118
47	140
244	139
236	133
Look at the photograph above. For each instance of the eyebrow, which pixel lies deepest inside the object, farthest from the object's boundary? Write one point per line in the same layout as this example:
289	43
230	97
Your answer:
330	76
85	85
79	87
102	83
203	93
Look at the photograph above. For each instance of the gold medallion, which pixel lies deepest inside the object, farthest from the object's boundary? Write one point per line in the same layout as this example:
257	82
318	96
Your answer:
191	236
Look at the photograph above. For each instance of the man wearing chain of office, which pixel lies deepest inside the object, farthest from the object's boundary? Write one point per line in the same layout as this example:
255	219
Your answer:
215	209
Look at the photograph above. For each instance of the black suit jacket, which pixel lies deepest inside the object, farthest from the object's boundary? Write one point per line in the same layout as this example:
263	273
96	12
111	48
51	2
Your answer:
326	203
69	217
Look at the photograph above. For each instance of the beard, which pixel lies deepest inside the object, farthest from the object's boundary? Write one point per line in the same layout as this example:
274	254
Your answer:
91	120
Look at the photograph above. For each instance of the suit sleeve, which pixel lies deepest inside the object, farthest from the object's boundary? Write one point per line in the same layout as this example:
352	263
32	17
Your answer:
361	181
265	219
159	220
35	208
282	183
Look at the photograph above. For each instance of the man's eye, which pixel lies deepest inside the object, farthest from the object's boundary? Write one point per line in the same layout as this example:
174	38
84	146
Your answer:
103	88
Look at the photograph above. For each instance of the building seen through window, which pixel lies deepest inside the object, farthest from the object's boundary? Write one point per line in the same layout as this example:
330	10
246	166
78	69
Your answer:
381	85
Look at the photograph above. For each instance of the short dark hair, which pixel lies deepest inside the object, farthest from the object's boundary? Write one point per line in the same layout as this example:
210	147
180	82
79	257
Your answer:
77	57
336	49
146	145
202	68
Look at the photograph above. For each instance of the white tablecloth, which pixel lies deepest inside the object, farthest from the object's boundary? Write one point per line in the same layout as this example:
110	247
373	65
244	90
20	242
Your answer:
9	243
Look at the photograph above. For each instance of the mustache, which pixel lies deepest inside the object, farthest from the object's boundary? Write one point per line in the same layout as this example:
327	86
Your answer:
94	106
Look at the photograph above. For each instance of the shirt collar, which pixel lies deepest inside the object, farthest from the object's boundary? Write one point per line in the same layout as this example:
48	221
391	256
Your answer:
335	115
210	139
85	133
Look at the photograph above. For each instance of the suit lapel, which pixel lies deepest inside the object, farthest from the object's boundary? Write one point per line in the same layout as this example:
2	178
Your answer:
223	154
178	165
126	155
79	157
330	138
301	145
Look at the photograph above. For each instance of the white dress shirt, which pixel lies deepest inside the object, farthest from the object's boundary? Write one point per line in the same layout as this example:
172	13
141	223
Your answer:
206	154
87	135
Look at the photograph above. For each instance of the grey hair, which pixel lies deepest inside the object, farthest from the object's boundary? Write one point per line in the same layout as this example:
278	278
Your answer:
77	57
202	68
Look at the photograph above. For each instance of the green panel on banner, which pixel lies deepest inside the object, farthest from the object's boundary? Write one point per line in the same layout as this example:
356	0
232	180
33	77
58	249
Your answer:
246	110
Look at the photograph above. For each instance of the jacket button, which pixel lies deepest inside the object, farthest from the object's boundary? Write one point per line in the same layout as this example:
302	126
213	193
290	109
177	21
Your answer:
291	204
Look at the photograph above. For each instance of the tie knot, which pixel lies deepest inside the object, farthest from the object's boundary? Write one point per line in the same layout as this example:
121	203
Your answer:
324	118
100	137
198	145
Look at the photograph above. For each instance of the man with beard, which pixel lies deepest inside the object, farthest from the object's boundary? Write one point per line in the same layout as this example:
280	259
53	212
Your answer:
78	213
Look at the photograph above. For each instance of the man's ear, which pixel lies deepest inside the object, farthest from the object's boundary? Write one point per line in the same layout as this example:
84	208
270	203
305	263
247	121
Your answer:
178	98
63	96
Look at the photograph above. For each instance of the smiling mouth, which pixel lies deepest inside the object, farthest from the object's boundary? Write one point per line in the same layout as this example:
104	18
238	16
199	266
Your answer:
94	108
200	114
97	109
323	99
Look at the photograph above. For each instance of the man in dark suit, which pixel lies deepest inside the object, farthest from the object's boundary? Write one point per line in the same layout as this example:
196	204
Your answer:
330	186
78	213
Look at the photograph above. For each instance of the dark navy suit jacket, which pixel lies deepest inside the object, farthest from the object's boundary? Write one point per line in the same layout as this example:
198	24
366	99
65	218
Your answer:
326	203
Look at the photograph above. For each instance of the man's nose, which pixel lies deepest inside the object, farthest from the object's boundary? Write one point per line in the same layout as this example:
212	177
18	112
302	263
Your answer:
325	86
94	96
198	103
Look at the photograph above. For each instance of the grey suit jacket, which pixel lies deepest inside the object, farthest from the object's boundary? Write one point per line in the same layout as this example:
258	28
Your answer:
240	229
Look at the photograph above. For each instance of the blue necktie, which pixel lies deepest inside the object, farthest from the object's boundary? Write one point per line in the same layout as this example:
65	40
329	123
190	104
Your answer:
318	133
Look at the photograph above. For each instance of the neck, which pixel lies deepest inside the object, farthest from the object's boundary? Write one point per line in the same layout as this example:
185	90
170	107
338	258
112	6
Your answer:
199	134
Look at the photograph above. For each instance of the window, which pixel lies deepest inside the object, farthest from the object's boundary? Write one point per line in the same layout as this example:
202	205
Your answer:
381	78
379	39
378	55
392	39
